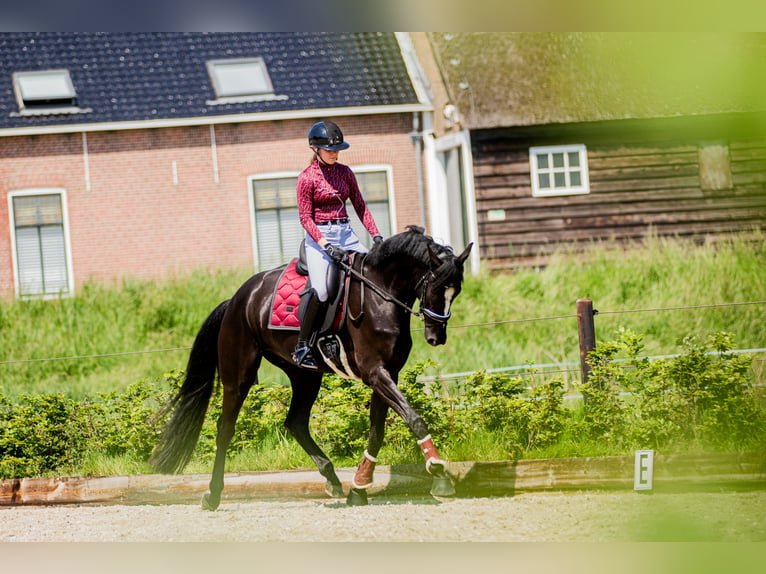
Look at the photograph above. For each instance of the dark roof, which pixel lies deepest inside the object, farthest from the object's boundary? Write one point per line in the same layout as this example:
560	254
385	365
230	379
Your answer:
521	79
153	76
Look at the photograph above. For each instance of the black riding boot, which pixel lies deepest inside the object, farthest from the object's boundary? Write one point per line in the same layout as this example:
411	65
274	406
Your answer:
311	315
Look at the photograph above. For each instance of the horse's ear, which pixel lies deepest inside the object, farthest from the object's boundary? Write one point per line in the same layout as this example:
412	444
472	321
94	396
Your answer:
433	253
464	255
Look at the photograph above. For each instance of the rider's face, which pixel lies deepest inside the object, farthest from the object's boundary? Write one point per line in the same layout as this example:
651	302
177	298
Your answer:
327	156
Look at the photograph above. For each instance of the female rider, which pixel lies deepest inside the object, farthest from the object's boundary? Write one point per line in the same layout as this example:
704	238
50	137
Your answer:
322	190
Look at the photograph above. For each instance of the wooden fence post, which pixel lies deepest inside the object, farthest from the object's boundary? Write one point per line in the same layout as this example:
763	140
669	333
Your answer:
586	329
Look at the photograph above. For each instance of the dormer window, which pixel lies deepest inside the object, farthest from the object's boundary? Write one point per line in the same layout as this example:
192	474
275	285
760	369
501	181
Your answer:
241	80
45	92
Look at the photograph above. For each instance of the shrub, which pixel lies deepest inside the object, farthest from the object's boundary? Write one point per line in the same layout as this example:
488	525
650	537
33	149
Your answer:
698	398
500	405
40	433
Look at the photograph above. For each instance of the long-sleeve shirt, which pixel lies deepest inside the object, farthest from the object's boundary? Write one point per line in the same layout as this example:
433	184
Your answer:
321	193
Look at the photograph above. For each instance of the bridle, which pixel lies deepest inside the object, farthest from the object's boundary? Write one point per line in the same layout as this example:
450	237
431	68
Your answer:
422	283
425	311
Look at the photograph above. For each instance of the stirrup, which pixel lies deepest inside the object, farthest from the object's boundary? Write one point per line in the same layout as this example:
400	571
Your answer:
303	356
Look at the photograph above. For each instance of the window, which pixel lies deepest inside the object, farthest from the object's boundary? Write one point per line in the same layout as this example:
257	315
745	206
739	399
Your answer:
241	80
277	232
559	170
40	243
374	184
715	166
45	92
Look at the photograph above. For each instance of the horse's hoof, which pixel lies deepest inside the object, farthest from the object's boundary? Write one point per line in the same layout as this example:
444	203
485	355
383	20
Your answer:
441	486
357	497
333	490
208	503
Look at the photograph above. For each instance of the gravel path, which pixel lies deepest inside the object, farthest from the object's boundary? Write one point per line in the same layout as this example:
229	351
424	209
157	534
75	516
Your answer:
531	517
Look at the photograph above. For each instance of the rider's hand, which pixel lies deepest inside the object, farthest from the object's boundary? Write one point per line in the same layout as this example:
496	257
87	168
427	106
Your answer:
334	252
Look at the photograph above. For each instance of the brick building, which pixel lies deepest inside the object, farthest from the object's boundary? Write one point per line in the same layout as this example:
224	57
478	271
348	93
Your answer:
143	155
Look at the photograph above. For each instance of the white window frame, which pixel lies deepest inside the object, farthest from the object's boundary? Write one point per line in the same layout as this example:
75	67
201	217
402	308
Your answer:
568	188
60	102
365	168
251	203
67	243
225	95
372	167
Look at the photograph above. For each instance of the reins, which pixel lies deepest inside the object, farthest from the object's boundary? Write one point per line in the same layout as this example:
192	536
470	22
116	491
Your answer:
425	312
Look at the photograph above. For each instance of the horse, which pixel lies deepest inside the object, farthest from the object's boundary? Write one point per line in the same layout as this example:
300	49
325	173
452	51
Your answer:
375	341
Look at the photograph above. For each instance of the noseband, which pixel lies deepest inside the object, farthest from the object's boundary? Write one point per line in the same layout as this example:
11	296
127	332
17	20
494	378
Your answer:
425	311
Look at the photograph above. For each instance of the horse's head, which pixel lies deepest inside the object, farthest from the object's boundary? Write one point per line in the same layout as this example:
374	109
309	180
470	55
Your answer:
438	289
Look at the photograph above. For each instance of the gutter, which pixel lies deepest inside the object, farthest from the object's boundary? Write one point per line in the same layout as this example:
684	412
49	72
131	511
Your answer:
223	119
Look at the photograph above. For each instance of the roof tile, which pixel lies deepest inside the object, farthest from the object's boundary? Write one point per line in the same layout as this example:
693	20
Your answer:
146	76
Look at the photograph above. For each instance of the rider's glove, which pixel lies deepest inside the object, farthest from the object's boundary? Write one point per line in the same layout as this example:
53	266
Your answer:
334	252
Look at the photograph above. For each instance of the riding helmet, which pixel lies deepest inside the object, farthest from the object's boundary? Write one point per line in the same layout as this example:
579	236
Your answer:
327	135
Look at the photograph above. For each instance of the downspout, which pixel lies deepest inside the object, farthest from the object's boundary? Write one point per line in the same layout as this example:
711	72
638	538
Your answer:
86	161
416	135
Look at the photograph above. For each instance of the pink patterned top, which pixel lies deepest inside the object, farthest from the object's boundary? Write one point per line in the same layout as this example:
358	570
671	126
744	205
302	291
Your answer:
322	192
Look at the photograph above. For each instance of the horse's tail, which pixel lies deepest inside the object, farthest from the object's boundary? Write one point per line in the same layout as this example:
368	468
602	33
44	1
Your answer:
189	405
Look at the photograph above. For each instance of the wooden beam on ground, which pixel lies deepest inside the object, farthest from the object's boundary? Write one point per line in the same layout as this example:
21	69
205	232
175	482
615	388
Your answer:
503	478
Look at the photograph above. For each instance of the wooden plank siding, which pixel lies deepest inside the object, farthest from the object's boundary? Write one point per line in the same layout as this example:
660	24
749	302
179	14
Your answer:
635	189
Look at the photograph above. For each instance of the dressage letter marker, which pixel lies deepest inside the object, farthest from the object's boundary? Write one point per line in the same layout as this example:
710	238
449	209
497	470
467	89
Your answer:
644	469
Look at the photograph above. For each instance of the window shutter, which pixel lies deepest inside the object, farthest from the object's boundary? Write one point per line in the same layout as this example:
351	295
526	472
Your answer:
54	260
292	234
29	261
267	237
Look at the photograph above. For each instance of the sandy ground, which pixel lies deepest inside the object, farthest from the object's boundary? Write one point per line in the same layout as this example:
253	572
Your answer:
534	517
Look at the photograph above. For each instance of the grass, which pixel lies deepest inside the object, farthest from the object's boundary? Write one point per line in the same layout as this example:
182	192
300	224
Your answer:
661	274
155	315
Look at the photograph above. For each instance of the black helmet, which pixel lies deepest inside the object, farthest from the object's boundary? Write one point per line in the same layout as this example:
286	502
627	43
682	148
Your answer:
327	135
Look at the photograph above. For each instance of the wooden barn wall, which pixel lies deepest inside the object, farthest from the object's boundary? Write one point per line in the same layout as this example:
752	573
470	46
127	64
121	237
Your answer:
635	189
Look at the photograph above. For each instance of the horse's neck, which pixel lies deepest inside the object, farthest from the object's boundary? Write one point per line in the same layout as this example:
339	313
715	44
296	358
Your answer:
398	276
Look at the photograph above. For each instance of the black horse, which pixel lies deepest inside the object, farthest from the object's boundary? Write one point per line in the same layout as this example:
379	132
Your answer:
374	340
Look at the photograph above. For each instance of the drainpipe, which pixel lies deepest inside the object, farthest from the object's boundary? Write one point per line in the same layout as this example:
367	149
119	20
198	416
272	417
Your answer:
416	135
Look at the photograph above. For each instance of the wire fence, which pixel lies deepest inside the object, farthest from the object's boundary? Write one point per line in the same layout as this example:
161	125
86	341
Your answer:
521	370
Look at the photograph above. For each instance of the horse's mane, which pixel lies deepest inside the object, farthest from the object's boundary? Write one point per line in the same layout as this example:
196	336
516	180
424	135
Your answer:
414	244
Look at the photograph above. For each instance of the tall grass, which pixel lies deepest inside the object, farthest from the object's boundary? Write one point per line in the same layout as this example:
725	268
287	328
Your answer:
154	315
660	274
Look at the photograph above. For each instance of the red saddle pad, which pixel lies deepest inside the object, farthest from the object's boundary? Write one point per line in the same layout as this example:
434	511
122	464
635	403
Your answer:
284	306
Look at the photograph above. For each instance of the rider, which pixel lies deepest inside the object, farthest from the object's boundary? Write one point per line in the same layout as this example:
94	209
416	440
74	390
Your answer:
322	190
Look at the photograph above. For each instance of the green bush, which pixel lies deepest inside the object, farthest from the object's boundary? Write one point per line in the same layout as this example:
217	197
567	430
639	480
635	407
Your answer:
513	411
703	398
40	433
694	401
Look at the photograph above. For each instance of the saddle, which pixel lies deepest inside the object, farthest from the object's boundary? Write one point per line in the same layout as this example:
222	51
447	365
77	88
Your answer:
286	311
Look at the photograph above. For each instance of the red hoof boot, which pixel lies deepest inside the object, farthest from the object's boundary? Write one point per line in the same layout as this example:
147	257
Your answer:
363	477
434	462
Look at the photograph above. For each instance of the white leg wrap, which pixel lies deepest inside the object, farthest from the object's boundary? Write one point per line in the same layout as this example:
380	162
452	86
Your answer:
369	457
363	487
435	461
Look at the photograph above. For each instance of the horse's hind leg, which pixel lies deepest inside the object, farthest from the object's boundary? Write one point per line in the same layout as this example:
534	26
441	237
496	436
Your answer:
237	380
305	388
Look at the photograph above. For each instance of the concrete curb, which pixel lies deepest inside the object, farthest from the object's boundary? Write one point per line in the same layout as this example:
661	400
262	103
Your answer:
503	478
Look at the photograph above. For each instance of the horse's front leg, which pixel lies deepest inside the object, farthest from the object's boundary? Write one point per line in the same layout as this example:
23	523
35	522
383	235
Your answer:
362	480
385	386
305	388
